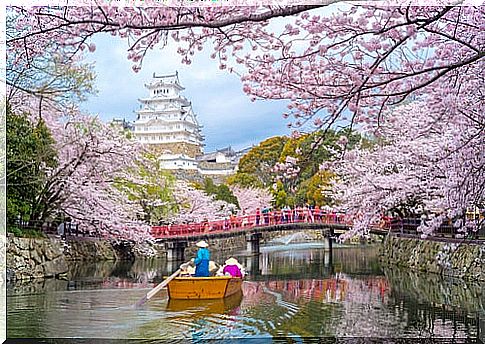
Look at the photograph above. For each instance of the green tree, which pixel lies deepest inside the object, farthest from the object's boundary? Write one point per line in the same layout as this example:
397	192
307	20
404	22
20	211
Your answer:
311	150
30	153
152	189
221	192
281	197
246	180
312	190
255	167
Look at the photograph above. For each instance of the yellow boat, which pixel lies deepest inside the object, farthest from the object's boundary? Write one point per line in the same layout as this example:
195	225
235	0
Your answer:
203	308
199	288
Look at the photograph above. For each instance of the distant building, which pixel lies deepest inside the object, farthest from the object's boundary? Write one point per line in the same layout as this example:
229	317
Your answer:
167	123
222	161
121	124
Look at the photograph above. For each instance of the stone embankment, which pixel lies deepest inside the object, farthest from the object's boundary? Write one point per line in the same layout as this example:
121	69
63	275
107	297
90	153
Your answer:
466	261
29	259
35	258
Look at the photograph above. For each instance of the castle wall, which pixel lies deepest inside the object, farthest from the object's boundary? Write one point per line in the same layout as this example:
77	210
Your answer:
188	149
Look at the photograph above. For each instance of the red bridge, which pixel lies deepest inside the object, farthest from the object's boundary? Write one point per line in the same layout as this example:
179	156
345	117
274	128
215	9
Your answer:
301	220
251	222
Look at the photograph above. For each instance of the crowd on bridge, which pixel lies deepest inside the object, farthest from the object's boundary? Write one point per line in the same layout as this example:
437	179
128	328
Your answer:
288	215
260	217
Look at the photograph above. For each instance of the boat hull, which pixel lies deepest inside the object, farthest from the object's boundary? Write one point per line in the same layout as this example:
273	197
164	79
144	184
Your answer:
198	288
203	308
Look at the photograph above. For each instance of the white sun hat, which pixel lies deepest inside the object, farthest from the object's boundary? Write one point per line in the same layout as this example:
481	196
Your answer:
202	243
232	261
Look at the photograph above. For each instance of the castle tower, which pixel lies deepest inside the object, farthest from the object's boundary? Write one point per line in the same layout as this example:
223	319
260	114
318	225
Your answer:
167	123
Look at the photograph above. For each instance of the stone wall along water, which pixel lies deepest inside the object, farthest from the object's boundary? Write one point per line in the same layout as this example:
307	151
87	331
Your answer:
465	261
35	258
29	259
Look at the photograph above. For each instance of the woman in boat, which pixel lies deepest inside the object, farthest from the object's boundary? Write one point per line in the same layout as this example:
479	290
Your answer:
233	268
202	260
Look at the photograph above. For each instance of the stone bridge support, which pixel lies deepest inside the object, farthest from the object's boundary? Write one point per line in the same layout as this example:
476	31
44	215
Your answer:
175	250
253	241
252	265
327	235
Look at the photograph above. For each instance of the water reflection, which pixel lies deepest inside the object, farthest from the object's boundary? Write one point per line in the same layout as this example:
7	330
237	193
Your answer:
436	290
289	293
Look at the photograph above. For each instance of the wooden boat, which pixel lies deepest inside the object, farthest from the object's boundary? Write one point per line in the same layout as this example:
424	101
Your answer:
198	288
205	307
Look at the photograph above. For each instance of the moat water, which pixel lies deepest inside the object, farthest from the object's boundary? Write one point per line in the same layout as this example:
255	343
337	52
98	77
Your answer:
292	293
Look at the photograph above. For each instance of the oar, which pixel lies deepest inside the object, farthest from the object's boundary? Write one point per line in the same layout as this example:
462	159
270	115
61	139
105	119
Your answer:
159	287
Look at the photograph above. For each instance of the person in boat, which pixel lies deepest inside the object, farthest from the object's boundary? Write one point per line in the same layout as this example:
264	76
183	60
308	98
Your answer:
188	269
233	268
202	259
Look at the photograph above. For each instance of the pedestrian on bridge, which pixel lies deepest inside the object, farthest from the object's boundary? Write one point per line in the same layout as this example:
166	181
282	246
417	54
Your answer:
258	216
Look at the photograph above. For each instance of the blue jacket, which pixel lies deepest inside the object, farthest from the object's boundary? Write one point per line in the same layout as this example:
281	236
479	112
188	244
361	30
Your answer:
202	262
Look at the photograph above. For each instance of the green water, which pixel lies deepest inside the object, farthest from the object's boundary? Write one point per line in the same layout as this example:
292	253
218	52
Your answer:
292	292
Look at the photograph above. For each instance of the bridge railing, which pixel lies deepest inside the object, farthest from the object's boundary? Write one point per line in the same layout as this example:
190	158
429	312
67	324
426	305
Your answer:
386	224
246	222
446	229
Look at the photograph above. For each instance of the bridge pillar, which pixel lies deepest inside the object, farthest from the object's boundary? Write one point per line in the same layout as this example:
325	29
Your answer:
175	250
252	241
252	265
327	244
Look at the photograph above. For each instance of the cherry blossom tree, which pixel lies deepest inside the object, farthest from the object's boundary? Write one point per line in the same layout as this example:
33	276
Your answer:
46	73
92	160
335	65
251	198
430	160
348	61
195	206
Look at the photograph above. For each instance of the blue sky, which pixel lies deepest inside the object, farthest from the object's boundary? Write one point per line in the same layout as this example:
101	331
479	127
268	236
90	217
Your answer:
226	113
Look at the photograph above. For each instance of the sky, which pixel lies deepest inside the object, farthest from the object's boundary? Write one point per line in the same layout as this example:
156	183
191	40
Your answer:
227	115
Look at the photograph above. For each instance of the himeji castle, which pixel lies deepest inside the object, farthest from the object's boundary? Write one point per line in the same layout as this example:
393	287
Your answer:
167	123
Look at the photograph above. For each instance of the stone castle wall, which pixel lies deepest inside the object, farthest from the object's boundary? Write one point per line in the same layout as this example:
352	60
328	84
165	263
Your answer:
188	149
195	176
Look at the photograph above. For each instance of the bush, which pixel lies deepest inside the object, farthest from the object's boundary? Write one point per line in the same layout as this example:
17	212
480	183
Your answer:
25	232
32	233
15	230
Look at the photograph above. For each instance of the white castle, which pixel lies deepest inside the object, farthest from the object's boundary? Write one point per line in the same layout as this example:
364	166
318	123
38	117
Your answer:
167	123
